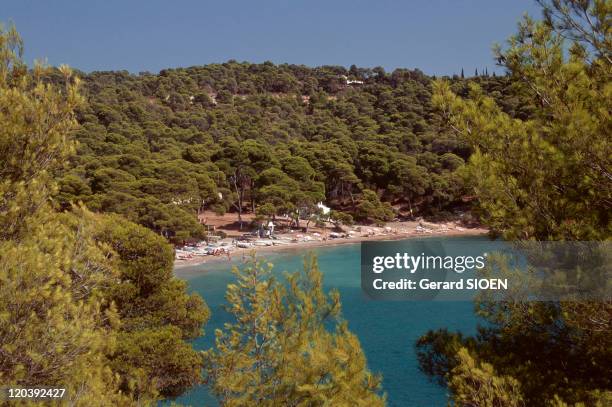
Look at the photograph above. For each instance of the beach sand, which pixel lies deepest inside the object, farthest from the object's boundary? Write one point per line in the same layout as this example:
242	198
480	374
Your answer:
399	231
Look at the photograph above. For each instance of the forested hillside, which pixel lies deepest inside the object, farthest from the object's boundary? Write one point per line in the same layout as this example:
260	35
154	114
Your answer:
268	138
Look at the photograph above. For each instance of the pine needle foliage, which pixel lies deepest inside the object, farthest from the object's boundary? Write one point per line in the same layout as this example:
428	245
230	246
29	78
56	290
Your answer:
288	345
544	177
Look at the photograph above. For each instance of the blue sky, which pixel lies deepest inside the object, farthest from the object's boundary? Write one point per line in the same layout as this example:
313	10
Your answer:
437	36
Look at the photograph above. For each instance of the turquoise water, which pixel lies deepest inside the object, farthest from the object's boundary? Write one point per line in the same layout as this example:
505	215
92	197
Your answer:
387	330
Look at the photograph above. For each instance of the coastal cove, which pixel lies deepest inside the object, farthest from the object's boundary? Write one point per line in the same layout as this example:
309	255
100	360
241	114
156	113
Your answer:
396	231
236	204
387	329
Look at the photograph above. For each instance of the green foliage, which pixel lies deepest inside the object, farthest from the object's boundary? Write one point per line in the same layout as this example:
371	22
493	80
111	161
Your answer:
53	329
340	218
475	384
88	302
158	148
29	153
266	211
288	346
371	208
154	361
546	177
543	176
151	304
436	351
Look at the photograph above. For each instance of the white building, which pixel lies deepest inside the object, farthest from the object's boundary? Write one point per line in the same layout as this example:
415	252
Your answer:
351	81
324	209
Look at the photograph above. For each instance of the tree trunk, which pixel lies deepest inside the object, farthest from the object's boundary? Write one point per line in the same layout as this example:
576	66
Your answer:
252	197
239	192
410	206
240	196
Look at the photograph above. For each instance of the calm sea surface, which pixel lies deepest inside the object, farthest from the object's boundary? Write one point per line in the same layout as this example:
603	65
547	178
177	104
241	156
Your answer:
387	330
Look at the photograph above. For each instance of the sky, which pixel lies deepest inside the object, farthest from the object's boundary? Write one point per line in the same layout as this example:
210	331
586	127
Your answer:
437	36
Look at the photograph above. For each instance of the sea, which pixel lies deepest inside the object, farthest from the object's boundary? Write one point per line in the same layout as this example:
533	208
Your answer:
387	330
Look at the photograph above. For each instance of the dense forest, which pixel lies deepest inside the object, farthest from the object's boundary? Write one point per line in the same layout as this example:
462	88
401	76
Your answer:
89	302
270	139
100	170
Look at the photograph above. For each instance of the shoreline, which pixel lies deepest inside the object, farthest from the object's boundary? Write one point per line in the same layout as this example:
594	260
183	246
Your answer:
180	265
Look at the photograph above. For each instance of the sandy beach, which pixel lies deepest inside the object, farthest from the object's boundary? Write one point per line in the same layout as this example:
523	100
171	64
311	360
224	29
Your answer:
391	231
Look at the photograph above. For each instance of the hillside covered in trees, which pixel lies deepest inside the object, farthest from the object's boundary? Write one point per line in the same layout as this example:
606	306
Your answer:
89	301
270	139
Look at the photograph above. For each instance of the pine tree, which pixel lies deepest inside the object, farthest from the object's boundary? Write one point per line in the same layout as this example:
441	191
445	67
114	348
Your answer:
280	350
544	178
87	302
152	356
53	329
474	384
462	74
